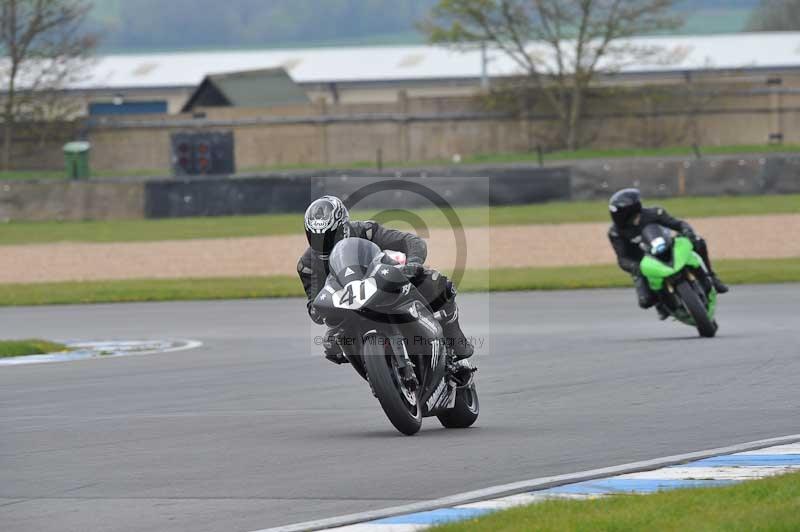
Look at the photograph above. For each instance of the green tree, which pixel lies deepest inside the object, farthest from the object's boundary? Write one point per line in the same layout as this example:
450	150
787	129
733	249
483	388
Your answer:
559	46
776	15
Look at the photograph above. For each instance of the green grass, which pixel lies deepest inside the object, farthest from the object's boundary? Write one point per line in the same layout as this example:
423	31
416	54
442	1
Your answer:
507	279
764	271
139	290
494	158
554	156
32	174
61	174
622	153
18	348
283	224
766	504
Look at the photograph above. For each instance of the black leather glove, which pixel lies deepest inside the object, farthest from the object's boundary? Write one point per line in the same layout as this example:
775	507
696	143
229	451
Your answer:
333	351
413	270
688	232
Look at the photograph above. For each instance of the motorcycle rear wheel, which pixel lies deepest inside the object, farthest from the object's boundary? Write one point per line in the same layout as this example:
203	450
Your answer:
465	412
399	404
705	325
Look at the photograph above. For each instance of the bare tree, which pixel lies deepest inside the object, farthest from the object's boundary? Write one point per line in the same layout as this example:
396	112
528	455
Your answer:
559	45
776	15
42	48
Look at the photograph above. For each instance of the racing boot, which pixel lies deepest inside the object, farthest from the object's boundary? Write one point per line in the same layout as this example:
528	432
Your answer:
663	313
719	286
462	372
702	250
448	317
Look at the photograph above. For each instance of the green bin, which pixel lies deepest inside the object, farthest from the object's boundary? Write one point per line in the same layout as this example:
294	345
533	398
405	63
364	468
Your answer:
76	158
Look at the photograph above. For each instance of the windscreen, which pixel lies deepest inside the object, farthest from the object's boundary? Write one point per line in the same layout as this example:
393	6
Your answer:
350	258
657	240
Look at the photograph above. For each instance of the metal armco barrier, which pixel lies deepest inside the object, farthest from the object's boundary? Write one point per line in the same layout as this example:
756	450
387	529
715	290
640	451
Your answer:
285	194
290	192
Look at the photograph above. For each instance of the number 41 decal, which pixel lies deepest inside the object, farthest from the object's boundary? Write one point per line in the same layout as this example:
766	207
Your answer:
356	293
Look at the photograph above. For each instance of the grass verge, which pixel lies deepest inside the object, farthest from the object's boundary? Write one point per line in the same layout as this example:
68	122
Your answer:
505	279
766	504
283	224
624	153
494	158
18	348
23	175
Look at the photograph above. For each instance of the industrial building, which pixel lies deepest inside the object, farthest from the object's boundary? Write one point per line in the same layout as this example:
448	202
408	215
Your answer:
165	83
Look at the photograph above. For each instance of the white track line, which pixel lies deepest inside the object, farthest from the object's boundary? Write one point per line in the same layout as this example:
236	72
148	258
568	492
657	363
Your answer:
462	500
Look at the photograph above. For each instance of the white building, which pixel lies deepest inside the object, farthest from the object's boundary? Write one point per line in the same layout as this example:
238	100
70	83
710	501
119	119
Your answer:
136	83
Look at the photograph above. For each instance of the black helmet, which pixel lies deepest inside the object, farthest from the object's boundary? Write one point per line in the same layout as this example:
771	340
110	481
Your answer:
625	205
327	222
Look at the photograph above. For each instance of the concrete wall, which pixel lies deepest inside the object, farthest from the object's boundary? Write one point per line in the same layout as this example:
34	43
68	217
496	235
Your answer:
291	191
710	176
422	129
419	129
38	146
71	200
282	194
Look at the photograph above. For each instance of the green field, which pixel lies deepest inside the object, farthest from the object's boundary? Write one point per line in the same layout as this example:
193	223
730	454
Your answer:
766	504
562	156
507	279
623	153
18	348
282	224
61	174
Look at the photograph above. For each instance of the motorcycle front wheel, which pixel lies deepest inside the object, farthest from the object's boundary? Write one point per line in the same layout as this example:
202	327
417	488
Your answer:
400	404
697	309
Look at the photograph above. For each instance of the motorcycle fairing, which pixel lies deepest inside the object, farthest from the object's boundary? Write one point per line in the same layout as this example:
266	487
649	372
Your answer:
383	295
657	272
683	255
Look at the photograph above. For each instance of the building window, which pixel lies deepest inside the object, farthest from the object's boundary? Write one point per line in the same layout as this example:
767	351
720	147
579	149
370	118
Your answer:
124	107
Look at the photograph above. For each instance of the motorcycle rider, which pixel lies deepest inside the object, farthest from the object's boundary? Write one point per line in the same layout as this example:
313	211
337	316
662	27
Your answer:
327	222
625	234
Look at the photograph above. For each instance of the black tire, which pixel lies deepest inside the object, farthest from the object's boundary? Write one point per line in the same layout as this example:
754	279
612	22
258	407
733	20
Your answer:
465	411
405	417
705	325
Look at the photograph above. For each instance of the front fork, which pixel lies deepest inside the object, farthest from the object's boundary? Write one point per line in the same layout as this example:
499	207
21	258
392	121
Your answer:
704	283
404	363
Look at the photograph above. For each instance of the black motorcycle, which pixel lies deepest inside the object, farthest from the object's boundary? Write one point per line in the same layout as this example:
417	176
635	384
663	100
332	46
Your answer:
392	338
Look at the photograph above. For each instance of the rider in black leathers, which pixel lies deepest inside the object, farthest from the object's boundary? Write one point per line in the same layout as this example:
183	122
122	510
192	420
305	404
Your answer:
625	234
327	221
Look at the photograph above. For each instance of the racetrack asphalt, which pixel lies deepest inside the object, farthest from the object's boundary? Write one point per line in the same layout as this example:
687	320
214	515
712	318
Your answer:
255	429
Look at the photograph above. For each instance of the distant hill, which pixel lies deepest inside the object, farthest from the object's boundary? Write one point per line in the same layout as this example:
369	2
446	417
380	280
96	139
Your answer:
141	25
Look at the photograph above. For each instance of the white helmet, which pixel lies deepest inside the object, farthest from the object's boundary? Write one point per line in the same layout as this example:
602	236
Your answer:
327	222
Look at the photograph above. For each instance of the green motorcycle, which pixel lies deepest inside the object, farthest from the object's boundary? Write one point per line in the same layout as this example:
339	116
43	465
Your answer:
679	278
